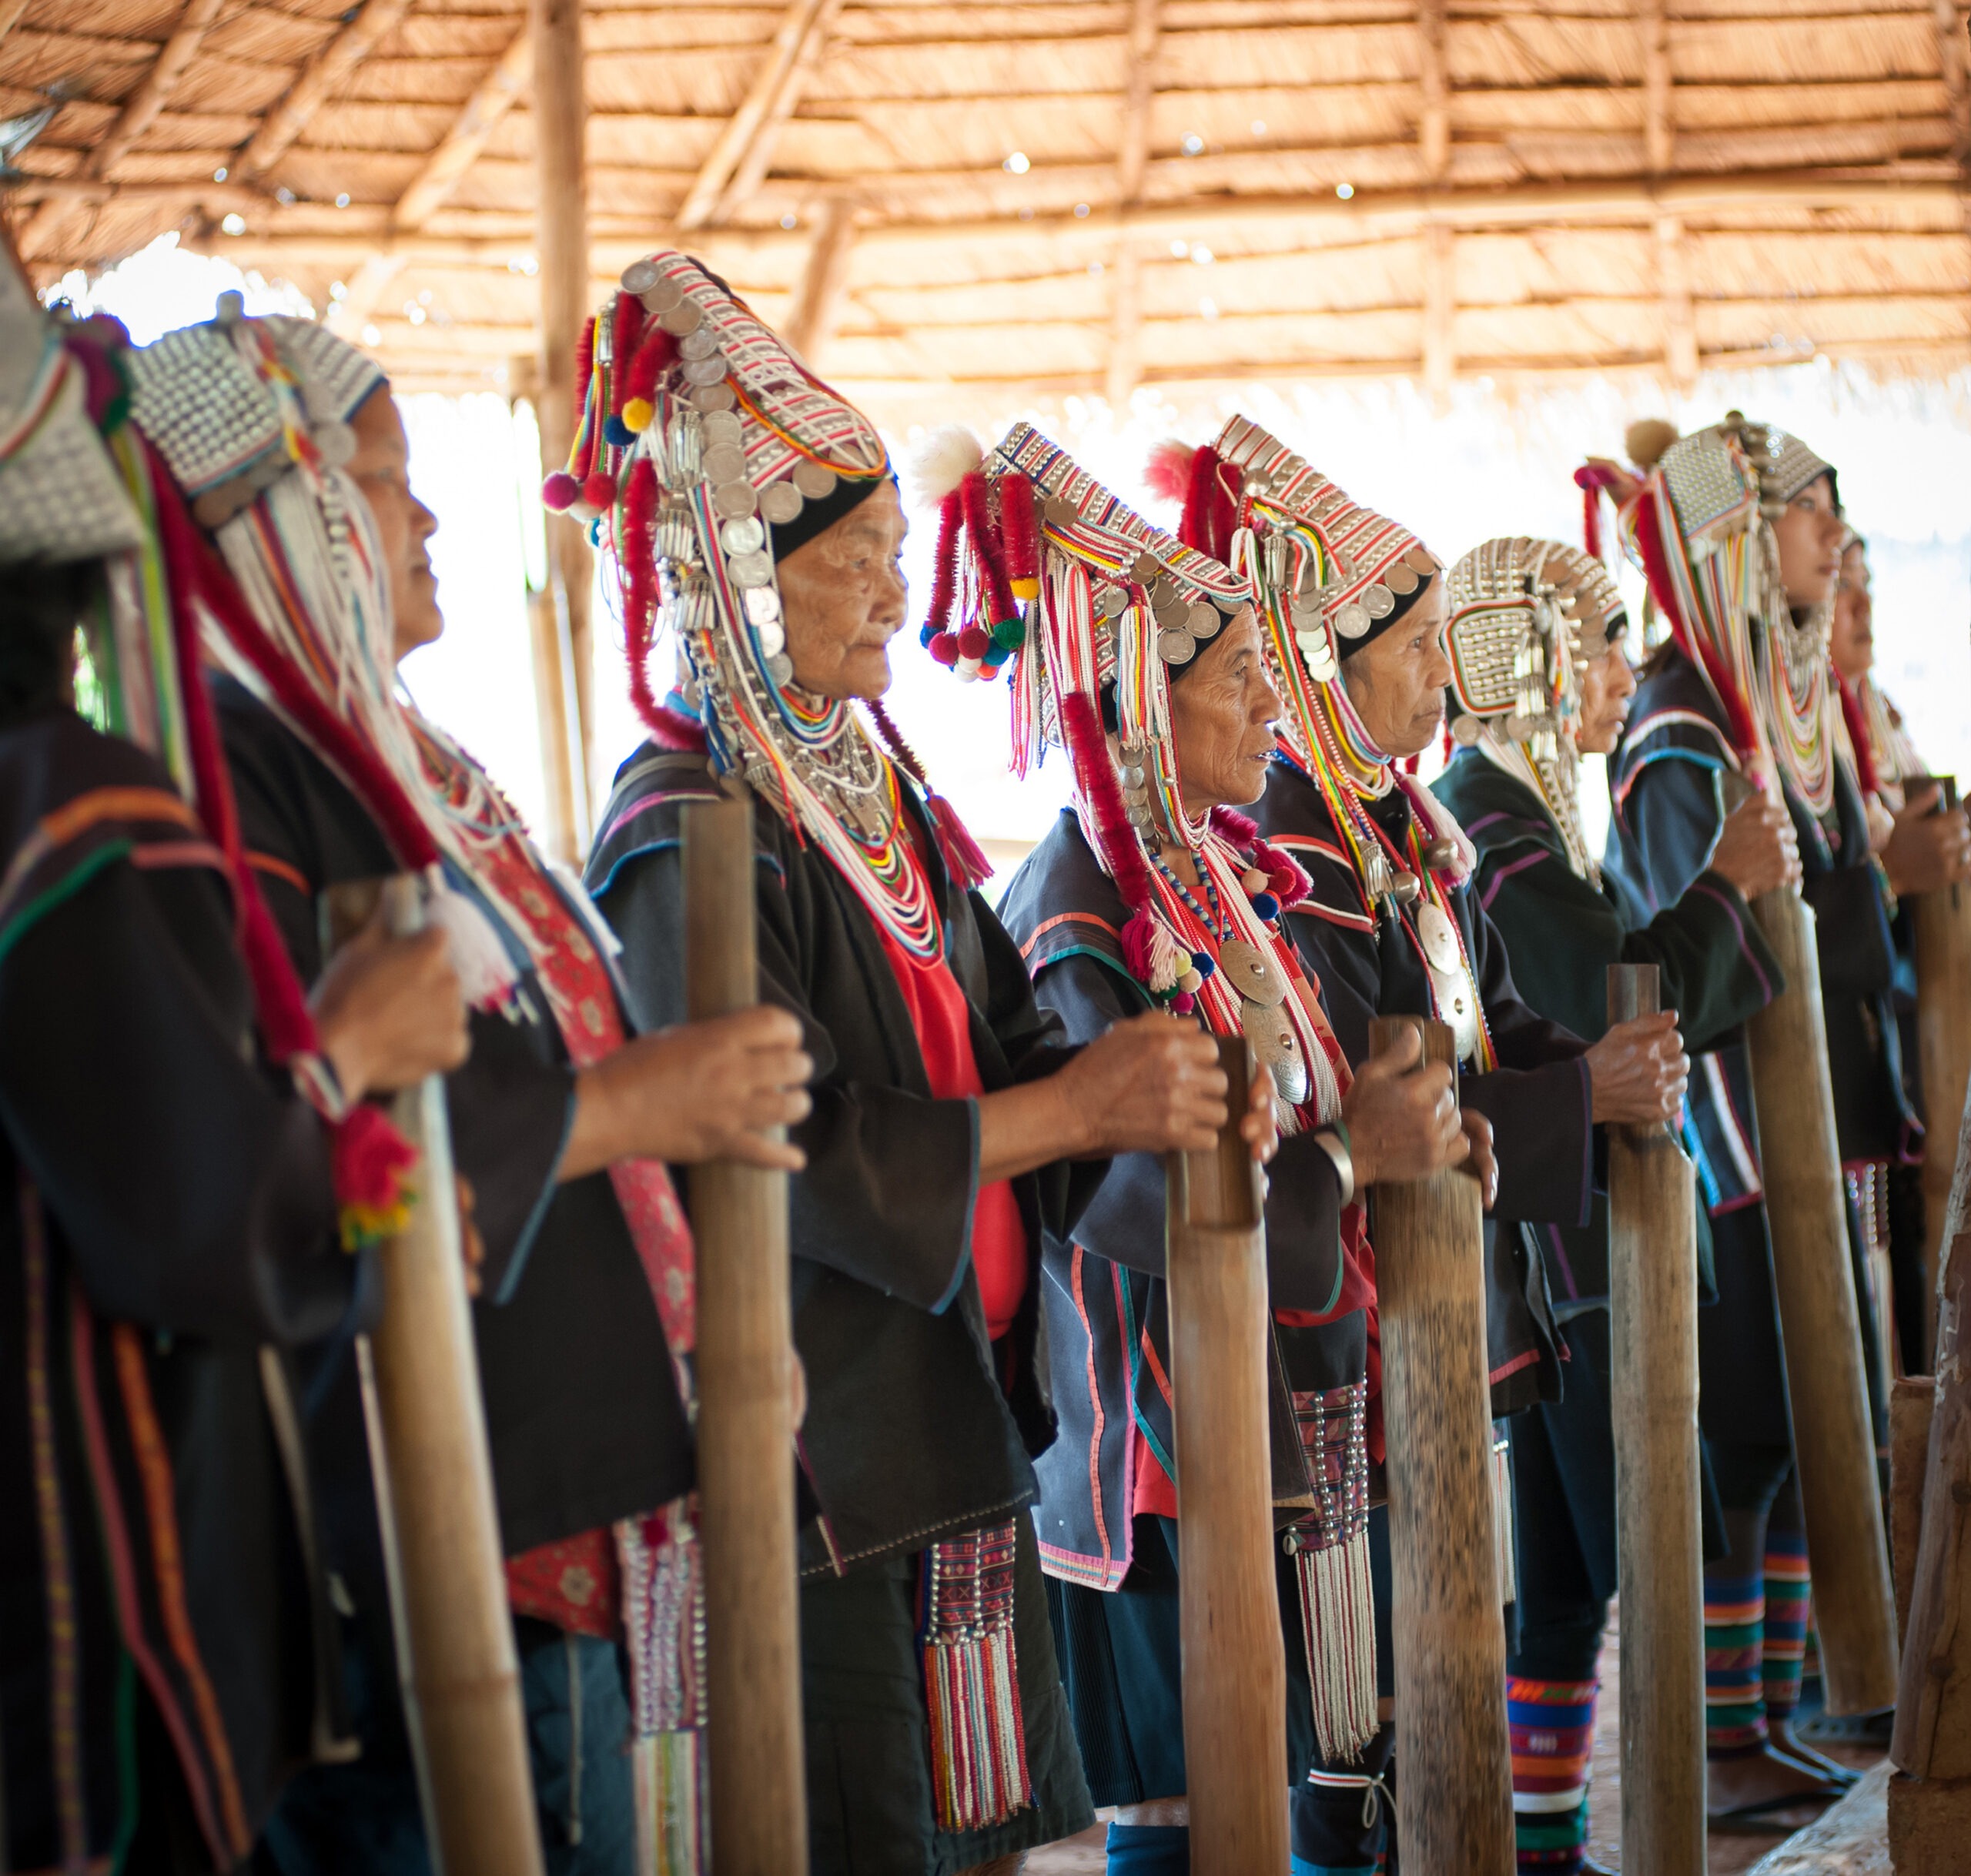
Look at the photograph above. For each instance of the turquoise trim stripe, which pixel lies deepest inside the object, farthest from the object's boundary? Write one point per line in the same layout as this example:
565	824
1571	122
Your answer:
66	888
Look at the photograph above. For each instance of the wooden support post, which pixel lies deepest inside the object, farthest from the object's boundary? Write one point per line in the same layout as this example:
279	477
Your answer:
1932	1738
745	1424
434	1474
1454	1796
818	297
1806	1205
1940	923
1439	312
559	111
1911	1403
1652	1267
1235	1667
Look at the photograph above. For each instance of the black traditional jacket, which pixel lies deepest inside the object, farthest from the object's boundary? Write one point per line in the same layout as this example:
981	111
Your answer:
1538	1099
918	1428
1107	1312
1714	966
168	1230
1664	785
582	1409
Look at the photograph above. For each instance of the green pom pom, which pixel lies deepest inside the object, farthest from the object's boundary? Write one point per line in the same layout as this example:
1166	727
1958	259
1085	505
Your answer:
1010	634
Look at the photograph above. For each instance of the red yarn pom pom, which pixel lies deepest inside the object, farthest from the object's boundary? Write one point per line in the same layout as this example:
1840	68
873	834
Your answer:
599	491
974	642
560	491
370	1159
944	648
1167	474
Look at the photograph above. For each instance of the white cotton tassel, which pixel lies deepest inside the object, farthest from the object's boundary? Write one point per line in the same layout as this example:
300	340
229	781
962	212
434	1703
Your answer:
487	976
1166	962
941	462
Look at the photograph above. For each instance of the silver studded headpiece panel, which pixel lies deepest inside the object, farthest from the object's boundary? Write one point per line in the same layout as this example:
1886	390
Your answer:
1507	596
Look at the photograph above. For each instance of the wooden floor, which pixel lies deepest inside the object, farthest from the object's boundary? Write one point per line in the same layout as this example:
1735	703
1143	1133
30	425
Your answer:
1850	1840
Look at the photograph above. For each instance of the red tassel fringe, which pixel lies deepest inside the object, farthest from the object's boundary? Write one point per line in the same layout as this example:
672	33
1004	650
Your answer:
1858	731
944	577
972	494
1019	536
1088	750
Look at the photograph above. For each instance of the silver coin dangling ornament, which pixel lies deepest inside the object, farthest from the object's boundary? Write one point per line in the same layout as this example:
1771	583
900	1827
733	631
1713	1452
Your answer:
1465	730
781	502
814	482
1257	978
745	536
1438	936
1175	646
711	397
1378	602
1400	579
1270	1031
720	426
1352	620
684	317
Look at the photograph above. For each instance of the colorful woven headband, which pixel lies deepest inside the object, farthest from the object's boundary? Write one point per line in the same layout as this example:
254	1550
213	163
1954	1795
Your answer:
1526	615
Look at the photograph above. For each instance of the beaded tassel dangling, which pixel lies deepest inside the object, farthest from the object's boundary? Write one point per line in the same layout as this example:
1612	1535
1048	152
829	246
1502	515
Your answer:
1331	1551
978	1768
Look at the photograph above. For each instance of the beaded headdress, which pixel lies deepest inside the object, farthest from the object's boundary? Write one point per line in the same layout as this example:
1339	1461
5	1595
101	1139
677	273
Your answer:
1107	608
250	418
1527	617
706	453
1700	527
60	497
1327	574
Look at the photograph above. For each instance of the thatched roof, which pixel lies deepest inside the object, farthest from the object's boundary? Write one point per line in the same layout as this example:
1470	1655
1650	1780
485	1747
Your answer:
1071	196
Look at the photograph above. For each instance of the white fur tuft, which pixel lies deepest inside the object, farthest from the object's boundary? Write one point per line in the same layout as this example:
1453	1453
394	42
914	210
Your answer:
941	462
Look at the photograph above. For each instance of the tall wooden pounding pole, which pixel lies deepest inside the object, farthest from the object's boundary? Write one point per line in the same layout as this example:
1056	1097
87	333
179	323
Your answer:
1652	1263
434	1474
1940	926
1454	1798
1806	1204
745	1424
1235	1667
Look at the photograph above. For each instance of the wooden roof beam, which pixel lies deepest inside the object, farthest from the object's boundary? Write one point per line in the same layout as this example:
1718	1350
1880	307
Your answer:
140	111
1131	166
1434	127
798	26
324	74
458	149
752	167
817	296
1673	257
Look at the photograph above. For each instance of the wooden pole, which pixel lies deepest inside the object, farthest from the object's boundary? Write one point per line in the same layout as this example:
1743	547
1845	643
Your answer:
1806	1204
1235	1667
1940	923
559	111
745	1424
1652	1264
1911	1402
455	1658
1454	1793
1932	1737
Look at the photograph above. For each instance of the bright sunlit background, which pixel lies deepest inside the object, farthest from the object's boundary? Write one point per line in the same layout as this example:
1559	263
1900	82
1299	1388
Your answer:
1492	463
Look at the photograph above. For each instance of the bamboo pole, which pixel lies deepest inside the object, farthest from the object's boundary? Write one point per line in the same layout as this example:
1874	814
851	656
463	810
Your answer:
1940	925
1235	1668
427	1423
559	101
745	1424
1652	1263
1820	1325
1454	1796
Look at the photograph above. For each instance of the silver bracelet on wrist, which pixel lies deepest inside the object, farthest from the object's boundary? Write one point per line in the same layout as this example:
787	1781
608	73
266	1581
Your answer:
1334	1143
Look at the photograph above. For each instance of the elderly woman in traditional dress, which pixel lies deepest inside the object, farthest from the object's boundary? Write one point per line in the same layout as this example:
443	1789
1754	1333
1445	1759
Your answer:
1540	677
1739	530
756	507
173	1168
1141	659
287	446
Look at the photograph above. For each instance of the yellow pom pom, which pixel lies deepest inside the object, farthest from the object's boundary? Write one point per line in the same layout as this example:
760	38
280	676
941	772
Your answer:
1025	588
637	413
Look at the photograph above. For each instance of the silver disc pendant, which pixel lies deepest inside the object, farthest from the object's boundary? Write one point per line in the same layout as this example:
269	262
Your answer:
1270	1031
814	482
741	537
720	426
1457	1004
684	317
1257	978
640	276
1401	578
1176	646
763	607
1059	511
1352	620
700	344
751	569
735	500
1203	621
724	461
709	370
1378	602
1438	936
661	296
710	397
781	502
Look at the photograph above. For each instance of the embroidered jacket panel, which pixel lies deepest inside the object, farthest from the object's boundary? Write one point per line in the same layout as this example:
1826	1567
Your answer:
564	1292
1562	931
167	1227
1537	1099
1107	1305
914	1430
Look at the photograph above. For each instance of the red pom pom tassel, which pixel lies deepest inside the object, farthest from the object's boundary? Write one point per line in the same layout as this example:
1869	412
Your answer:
1019	536
369	1161
972	494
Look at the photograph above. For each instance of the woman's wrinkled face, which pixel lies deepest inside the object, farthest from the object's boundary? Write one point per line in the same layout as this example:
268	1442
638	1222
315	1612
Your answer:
1809	533
1607	684
1853	643
1396	682
381	469
844	598
1222	715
